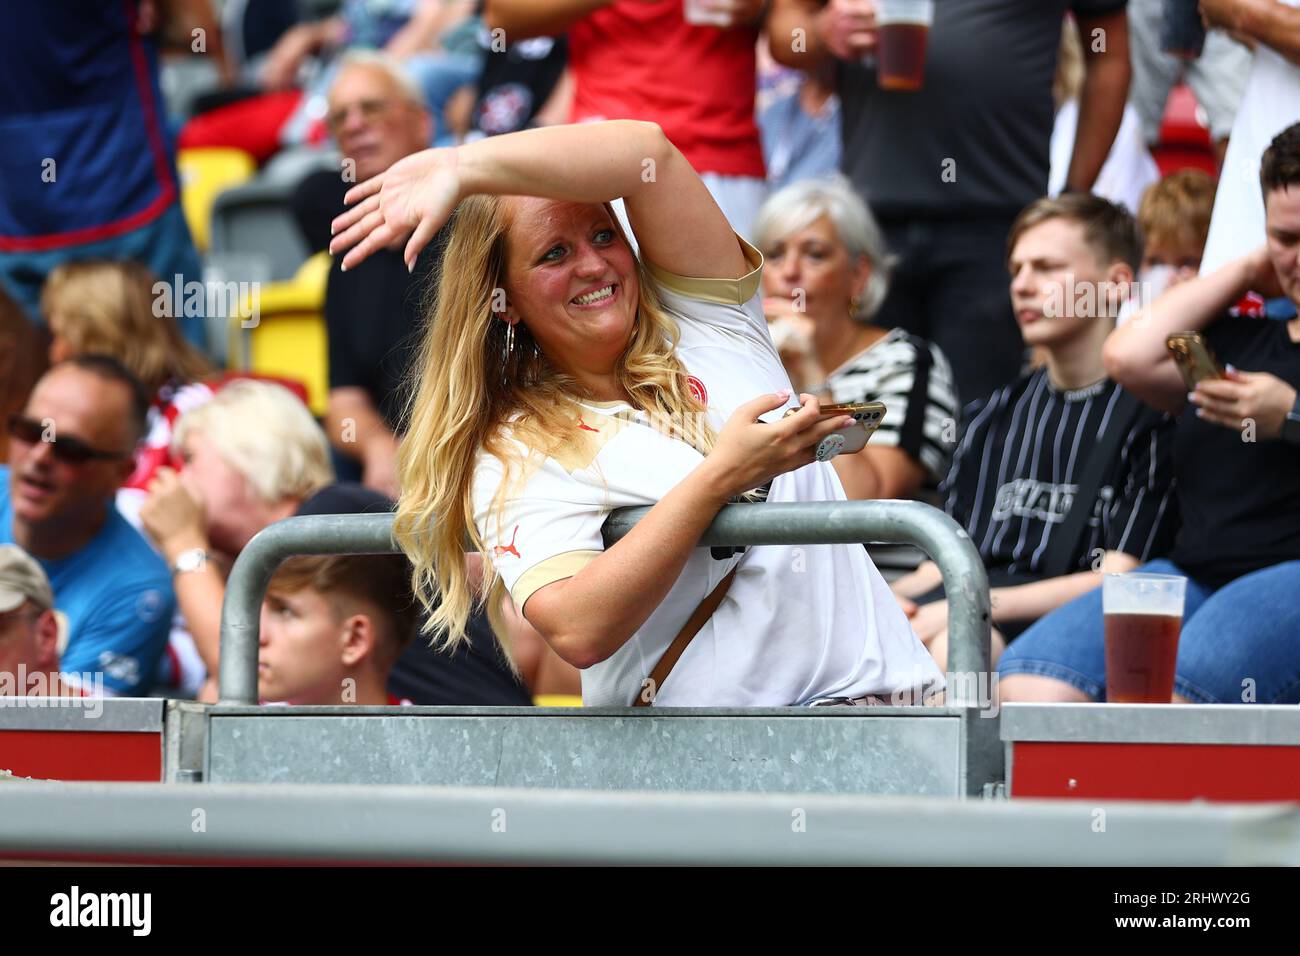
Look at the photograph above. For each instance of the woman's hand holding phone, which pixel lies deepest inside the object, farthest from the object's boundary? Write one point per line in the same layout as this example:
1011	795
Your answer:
748	452
1258	396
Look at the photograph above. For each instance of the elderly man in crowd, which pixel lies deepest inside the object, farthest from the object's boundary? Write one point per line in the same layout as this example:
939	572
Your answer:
377	115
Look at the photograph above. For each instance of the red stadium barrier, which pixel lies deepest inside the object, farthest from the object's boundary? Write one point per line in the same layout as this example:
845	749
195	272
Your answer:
1240	753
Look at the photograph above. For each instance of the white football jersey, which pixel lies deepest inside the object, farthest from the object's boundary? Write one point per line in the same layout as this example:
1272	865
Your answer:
799	621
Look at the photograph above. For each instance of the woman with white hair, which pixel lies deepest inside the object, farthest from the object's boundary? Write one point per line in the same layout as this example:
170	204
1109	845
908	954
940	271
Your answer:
827	274
563	376
250	456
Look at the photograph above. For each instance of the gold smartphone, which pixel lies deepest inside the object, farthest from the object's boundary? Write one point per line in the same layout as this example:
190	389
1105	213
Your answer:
866	415
1193	357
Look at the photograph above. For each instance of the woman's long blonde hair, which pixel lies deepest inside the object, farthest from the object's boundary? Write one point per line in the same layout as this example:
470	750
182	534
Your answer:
108	307
468	393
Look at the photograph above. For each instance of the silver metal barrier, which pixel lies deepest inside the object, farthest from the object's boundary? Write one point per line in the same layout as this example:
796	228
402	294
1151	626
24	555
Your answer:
261	823
834	522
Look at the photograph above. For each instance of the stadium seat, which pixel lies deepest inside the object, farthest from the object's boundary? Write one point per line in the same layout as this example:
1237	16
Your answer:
288	339
293	164
205	174
557	700
256	221
1184	136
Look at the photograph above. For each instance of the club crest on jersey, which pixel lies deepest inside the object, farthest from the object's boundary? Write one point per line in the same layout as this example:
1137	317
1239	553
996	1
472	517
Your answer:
697	389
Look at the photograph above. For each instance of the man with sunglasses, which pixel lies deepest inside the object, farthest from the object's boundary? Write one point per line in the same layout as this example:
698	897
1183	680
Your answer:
69	450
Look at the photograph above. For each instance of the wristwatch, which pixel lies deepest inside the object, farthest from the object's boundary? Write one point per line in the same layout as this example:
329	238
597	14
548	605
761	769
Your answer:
1291	424
195	559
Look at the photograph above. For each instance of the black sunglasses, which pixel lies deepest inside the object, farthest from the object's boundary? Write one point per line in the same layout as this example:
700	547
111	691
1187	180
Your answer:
72	451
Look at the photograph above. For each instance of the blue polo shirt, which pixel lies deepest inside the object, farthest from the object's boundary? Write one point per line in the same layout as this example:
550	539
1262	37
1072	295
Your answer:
117	595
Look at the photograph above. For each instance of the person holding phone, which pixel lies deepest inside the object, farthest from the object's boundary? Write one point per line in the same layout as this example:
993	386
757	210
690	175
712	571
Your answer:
1237	472
1060	473
563	376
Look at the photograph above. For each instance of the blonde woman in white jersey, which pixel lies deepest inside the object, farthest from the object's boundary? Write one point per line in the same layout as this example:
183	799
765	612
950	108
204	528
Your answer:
562	377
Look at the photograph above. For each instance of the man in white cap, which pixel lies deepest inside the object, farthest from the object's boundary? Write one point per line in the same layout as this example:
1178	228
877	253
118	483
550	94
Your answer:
31	632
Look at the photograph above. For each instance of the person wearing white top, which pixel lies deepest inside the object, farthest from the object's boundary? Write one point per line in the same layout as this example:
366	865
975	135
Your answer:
1129	167
562	377
1271	104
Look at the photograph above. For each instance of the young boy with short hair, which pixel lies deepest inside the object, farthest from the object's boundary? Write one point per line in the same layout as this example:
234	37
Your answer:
332	628
1024	452
1174	217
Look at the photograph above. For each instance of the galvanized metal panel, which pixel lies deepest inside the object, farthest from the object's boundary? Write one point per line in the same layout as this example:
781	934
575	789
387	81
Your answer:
748	751
184	741
1268	724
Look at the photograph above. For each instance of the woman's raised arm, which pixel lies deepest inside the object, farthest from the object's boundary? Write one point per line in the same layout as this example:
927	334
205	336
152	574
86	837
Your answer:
677	224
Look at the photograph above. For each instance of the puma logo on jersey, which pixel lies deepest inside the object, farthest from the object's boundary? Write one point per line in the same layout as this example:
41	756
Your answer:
510	548
587	428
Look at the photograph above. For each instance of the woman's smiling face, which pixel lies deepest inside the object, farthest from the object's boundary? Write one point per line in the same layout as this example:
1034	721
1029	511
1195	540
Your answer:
571	279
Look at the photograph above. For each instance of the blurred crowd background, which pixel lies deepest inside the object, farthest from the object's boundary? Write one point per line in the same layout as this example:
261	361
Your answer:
182	363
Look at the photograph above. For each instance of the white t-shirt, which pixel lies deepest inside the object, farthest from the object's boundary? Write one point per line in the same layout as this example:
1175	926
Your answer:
798	622
1271	104
1129	167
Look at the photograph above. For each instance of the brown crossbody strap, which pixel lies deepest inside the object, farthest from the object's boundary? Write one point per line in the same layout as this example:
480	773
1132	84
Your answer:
650	687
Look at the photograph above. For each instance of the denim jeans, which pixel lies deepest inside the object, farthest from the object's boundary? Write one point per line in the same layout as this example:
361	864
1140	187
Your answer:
1239	643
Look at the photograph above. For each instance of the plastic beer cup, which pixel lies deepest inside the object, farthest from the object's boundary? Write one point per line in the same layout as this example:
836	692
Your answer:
1143	617
903	27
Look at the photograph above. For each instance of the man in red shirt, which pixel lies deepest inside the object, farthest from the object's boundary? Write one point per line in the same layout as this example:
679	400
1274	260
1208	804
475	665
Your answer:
640	59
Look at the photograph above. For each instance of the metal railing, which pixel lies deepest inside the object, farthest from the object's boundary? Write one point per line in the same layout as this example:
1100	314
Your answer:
821	522
333	824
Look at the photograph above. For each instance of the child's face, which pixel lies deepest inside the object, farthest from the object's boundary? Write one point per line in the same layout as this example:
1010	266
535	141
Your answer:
1180	261
1058	284
301	657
